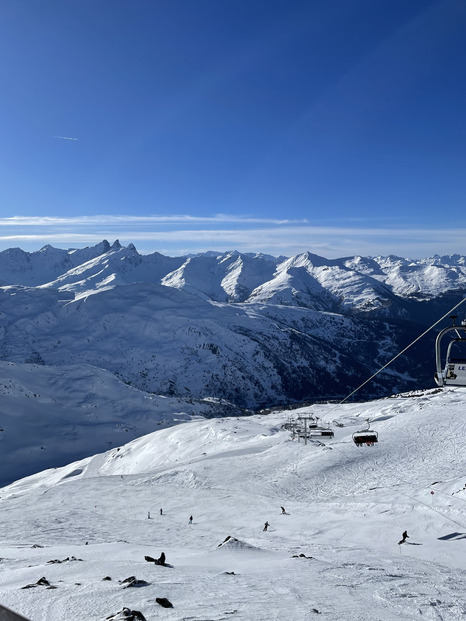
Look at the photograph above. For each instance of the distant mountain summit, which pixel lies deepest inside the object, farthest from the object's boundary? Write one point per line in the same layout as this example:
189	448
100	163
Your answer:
36	268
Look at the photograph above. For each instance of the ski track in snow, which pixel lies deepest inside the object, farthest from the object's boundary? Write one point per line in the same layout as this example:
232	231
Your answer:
346	509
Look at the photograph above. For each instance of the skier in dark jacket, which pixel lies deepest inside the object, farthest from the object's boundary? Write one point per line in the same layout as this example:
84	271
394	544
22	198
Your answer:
404	537
266	525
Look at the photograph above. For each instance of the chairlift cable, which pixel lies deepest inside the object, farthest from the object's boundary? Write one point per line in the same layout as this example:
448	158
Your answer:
374	434
402	352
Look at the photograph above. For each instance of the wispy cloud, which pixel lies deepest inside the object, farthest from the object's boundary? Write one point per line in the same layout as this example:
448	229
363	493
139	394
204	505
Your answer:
181	234
66	138
127	220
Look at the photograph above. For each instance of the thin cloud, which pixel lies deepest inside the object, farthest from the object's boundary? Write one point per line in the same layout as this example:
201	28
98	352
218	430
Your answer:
331	242
66	138
128	220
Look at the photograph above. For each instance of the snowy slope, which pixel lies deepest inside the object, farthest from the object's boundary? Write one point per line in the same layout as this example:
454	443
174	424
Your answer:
170	342
51	415
346	508
228	277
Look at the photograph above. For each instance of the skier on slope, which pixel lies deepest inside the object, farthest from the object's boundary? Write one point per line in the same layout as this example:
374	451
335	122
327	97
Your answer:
404	537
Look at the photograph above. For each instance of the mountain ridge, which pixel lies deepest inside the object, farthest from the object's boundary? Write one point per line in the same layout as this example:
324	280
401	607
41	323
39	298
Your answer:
237	277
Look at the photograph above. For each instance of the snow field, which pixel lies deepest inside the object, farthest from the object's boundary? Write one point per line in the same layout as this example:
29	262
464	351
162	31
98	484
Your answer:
347	507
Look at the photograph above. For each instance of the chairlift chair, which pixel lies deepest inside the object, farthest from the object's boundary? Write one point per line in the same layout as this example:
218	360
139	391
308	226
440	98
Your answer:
327	433
322	432
367	436
454	371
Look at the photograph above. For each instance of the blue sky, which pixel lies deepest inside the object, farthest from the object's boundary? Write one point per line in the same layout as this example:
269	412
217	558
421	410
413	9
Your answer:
277	126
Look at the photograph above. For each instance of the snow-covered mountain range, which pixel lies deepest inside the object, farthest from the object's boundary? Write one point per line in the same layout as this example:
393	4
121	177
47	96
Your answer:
252	329
209	334
349	284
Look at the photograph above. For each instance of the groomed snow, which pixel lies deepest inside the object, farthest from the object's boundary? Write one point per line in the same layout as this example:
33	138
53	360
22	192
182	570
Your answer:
346	507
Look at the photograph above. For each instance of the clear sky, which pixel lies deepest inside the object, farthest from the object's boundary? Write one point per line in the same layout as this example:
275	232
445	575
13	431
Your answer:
277	126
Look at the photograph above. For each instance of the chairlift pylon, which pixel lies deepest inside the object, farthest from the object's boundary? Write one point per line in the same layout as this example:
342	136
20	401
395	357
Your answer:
307	428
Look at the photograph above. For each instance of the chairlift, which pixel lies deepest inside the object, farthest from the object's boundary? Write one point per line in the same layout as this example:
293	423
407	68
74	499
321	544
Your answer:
322	432
454	371
367	436
327	433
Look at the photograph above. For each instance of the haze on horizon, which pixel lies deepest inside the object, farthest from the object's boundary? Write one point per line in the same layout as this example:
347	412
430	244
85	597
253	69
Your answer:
261	126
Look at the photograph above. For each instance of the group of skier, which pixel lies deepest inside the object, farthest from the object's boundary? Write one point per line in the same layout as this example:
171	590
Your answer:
266	525
190	521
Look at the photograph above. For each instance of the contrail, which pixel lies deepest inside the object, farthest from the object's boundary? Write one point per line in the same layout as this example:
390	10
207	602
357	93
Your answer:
65	138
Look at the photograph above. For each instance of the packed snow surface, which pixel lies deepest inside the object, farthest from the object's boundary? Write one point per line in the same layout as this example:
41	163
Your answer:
334	553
